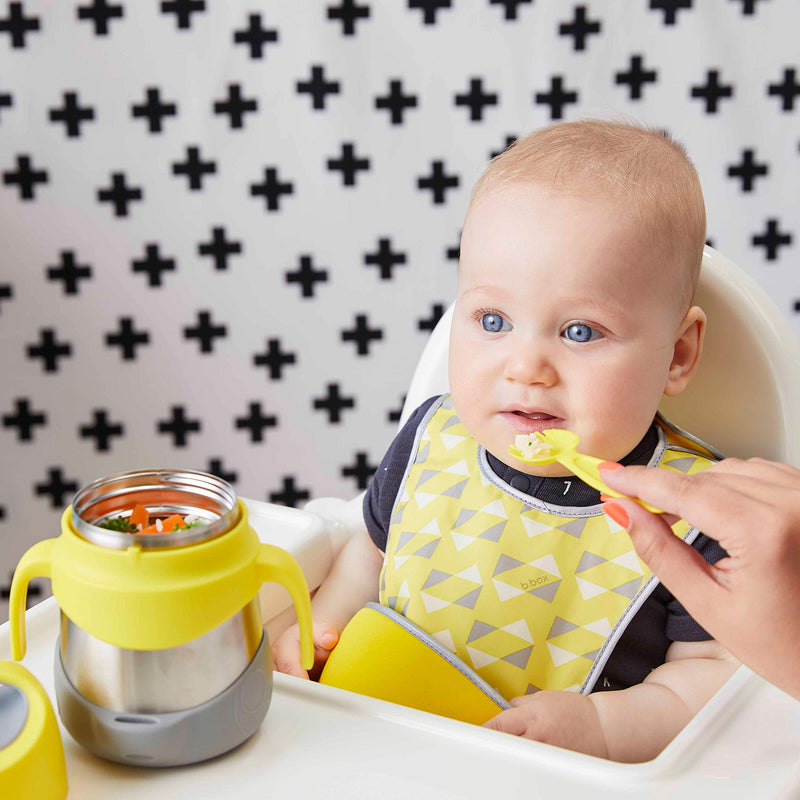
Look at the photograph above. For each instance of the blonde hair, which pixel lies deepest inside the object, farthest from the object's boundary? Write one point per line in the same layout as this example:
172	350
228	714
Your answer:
644	166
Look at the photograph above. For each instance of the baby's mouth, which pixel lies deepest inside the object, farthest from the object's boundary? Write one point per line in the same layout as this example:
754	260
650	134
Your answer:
530	421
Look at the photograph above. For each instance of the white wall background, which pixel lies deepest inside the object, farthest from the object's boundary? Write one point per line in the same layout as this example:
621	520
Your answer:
189	54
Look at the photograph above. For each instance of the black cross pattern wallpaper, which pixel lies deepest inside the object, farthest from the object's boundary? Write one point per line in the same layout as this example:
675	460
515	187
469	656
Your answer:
228	227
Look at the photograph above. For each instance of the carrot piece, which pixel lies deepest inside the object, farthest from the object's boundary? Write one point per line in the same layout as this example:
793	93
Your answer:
167	525
139	516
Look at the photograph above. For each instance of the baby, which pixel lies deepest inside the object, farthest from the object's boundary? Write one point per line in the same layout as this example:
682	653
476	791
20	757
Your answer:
580	254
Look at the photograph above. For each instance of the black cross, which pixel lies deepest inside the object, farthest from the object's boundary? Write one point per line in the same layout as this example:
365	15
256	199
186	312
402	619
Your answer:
179	426
772	239
511	6
749	7
334	403
205	331
318	87
24	419
255	36
348	164
557	97
127	338
670	8
713	91
194	168
26	177
183	10
429	323
49	350
235	106
580	28
274	358
636	77
100	13
256	422
271	188
119	194
788	90
56	487
385	259
34	589
438	182
509	141
361	470
348	13
362	335
393	414
72	114
69	272
6	291
18	25
154	110
101	430
219	248
453	253
476	100
429	8
6	100
307	276
215	468
153	265
396	102
748	170
290	495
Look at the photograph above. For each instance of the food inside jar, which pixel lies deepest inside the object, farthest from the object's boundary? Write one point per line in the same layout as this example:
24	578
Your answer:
139	521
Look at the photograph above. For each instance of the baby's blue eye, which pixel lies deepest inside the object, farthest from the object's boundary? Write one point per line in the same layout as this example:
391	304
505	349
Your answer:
494	323
578	332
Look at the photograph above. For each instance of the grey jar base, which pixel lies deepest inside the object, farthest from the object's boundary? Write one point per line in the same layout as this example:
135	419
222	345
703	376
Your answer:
173	738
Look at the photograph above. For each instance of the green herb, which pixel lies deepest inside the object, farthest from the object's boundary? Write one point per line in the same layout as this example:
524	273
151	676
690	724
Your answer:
195	523
121	524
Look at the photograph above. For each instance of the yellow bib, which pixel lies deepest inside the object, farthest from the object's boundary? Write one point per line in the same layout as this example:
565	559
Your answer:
530	596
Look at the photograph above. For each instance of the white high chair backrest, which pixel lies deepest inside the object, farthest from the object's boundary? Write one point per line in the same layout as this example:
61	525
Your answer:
745	397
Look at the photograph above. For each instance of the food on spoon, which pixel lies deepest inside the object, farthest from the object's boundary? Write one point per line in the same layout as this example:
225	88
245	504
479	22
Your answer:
531	446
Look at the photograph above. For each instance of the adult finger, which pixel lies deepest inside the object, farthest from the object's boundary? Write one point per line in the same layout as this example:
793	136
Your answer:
676	564
705	500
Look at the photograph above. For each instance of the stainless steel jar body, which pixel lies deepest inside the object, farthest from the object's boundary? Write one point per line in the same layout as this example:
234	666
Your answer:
175	678
160	681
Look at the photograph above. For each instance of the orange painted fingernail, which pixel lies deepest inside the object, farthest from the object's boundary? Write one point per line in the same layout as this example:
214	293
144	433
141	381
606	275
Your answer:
609	466
617	513
606	497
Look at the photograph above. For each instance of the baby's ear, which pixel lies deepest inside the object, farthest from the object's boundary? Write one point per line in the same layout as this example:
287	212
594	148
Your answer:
686	352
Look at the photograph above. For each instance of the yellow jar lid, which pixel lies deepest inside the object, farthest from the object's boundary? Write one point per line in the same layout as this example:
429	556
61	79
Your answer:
32	764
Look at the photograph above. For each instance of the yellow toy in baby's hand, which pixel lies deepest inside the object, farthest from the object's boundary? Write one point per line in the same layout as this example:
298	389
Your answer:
556	444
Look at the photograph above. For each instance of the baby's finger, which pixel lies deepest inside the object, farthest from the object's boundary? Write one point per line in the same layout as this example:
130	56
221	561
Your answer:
512	721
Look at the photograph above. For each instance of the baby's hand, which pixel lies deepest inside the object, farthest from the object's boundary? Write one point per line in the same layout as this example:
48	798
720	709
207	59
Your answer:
564	719
286	649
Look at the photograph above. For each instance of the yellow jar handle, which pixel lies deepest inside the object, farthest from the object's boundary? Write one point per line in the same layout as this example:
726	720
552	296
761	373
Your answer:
275	564
36	563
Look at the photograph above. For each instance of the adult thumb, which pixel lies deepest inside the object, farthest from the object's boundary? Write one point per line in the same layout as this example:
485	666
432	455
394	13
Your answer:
674	562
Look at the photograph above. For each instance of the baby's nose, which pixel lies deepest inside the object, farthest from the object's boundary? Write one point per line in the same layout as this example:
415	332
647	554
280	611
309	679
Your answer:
528	365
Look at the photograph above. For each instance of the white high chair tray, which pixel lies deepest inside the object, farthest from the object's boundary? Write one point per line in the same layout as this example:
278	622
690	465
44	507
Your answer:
320	742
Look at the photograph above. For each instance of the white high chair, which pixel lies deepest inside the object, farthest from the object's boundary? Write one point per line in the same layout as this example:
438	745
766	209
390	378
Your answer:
320	742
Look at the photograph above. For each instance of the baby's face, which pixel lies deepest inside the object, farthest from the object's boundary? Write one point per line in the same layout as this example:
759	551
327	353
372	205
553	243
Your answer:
563	320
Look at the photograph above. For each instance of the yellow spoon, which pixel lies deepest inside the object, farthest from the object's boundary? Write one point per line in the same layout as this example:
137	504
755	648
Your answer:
559	445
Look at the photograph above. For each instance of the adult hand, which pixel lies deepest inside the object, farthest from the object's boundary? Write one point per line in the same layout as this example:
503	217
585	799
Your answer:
749	601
